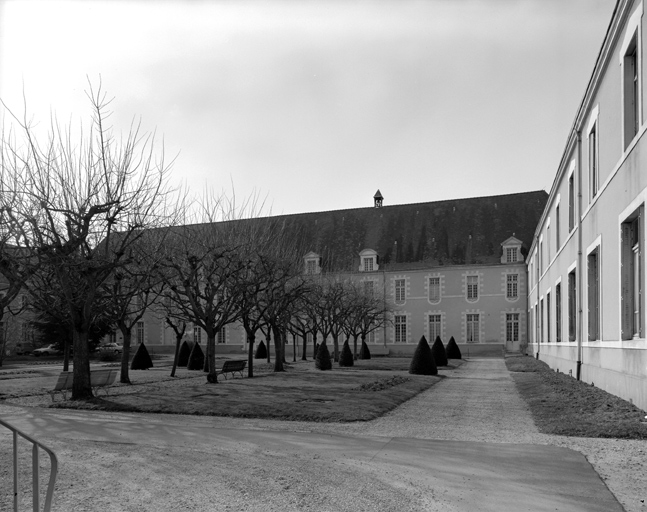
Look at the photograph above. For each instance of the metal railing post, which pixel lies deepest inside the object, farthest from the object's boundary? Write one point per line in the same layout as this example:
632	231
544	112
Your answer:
49	496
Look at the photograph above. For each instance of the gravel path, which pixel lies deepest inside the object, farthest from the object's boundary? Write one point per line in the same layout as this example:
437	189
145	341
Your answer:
476	402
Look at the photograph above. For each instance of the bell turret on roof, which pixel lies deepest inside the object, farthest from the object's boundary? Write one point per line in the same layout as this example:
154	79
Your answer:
378	199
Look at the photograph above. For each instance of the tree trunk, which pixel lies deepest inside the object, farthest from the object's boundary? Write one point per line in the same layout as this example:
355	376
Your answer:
178	342
335	342
355	336
294	348
278	355
125	355
251	338
66	357
268	340
212	376
314	344
81	388
205	366
305	346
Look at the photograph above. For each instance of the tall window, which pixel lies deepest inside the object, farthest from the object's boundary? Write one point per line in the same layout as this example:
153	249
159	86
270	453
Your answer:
572	306
548	318
472	327
368	264
558	312
593	282
222	336
139	332
594	173
368	288
435	324
541	321
511	254
512	286
400	290
311	267
434	289
632	271
371	337
197	334
571	202
400	328
631	89
557	240
512	326
472	288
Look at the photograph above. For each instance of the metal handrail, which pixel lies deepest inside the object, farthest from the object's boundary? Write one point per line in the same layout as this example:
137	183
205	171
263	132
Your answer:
35	470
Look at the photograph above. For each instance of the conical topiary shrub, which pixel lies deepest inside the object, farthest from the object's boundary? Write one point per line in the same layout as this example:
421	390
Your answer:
142	359
364	352
261	351
423	362
346	357
438	351
183	355
196	358
452	350
322	361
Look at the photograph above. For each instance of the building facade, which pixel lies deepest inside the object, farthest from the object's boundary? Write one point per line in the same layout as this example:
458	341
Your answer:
586	264
447	268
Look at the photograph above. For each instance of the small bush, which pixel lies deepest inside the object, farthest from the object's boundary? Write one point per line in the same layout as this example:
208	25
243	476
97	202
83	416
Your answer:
142	359
196	358
183	356
423	362
346	357
322	361
452	350
364	352
261	351
438	351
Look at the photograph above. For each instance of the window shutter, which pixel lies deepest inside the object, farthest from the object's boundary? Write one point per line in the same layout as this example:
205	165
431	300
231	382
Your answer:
626	302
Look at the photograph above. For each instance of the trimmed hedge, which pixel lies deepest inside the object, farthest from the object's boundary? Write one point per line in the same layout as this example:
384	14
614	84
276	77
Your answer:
261	351
142	359
346	357
196	358
183	355
438	351
452	350
322	361
364	352
423	362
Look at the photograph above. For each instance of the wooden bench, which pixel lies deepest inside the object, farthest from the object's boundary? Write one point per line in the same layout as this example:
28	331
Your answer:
98	379
232	367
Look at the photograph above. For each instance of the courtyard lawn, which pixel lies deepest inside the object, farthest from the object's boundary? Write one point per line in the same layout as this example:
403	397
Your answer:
562	405
359	393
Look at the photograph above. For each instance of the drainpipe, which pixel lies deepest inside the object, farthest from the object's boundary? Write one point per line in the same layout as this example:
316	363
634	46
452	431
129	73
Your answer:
580	326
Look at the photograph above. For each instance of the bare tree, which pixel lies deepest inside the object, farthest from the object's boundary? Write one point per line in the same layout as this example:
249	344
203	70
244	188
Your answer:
80	204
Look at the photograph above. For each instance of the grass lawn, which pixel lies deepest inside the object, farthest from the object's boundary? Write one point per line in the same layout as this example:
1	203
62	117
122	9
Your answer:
359	393
565	406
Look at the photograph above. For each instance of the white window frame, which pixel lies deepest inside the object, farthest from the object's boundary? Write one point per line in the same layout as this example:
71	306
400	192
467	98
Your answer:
400	292
510	324
469	327
400	328
632	42
514	283
472	290
593	153
434	300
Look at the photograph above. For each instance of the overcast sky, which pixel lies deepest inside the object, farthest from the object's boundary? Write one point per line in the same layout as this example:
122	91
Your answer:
317	104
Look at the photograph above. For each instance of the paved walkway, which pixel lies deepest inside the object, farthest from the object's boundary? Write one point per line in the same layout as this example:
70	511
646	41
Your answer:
458	446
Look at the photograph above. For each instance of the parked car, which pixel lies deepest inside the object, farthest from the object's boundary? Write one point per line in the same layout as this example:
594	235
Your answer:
49	350
111	347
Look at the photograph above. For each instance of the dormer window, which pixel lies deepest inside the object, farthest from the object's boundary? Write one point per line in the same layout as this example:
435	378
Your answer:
511	250
312	263
368	261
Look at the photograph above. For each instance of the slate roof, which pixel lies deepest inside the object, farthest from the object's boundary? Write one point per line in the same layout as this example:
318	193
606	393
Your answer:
451	232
